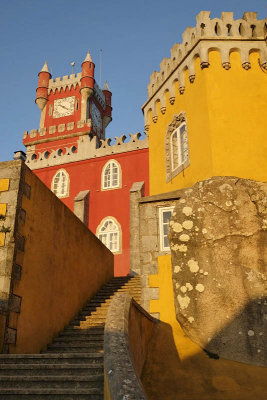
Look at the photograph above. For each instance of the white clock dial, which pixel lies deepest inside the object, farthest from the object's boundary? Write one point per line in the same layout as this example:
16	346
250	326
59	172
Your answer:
96	116
64	107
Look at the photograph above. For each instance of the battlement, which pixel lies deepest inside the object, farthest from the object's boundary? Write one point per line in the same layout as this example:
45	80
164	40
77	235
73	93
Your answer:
224	29
86	149
224	35
64	82
43	134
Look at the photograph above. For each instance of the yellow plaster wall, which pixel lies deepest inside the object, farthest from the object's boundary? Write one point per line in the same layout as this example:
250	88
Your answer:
193	374
165	306
4	185
226	119
63	265
194	103
237	114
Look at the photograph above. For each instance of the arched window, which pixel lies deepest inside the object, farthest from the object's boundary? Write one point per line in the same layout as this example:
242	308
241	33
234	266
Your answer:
109	232
111	175
178	150
176	146
60	183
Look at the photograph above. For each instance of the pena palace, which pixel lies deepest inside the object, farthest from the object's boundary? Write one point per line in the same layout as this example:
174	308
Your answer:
71	156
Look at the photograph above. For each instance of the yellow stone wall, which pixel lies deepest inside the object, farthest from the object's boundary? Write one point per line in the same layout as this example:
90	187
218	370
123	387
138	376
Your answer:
226	121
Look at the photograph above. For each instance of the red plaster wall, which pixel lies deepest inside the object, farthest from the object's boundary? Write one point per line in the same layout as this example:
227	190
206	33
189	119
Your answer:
86	175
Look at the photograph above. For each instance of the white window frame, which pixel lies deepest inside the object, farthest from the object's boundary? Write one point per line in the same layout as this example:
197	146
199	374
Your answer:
179	146
111	186
161	227
67	184
117	248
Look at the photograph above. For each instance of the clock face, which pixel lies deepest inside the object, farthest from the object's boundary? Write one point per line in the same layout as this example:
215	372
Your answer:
96	116
64	107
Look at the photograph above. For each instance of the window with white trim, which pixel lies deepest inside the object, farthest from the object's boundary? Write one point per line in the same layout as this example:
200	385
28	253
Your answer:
176	146
111	175
60	183
179	146
165	214
109	232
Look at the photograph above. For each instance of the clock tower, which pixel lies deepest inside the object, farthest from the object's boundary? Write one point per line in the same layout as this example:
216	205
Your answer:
71	107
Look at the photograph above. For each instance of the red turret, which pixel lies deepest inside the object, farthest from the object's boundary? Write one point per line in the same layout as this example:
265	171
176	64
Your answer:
108	110
42	89
87	79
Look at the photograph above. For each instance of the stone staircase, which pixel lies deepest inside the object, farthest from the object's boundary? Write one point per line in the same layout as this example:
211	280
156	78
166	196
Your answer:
72	365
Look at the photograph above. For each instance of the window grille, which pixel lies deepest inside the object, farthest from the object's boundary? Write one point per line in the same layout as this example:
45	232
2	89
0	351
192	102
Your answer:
109	234
111	175
60	184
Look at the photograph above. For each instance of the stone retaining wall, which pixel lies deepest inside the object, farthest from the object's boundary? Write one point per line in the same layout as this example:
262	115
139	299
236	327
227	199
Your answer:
50	263
128	331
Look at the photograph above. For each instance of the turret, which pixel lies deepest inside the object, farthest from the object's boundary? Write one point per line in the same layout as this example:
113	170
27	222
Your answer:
87	79
42	89
108	110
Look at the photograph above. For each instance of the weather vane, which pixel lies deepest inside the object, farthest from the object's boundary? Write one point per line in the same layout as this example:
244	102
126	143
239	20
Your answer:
72	66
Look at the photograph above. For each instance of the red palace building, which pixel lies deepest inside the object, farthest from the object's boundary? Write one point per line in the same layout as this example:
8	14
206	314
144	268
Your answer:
71	155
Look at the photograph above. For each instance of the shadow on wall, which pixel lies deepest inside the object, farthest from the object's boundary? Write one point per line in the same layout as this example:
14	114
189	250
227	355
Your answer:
169	375
243	335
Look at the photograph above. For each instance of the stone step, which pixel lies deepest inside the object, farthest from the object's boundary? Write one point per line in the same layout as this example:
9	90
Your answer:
79	339
51	394
110	292
51	369
76	344
89	319
93	311
82	332
53	382
99	303
52	358
75	349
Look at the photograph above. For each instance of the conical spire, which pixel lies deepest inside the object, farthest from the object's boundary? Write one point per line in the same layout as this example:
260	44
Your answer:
106	87
45	68
88	57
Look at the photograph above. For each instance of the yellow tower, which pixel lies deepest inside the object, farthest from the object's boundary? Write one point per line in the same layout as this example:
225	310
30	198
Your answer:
206	107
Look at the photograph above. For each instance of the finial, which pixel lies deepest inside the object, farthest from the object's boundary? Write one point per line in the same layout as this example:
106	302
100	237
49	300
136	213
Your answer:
45	68
106	87
72	66
88	57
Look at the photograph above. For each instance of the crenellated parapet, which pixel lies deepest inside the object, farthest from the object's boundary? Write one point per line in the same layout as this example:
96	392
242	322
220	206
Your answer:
64	82
52	133
223	34
87	148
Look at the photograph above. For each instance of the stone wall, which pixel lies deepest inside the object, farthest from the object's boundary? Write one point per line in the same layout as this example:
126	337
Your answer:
51	264
145	237
128	330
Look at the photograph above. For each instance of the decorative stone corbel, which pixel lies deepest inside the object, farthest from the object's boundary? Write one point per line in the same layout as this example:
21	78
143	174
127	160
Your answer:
204	64
246	65
146	127
192	78
155	118
181	89
226	65
172	100
163	110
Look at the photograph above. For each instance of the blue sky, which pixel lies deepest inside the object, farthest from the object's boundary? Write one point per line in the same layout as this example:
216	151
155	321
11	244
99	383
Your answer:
134	36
